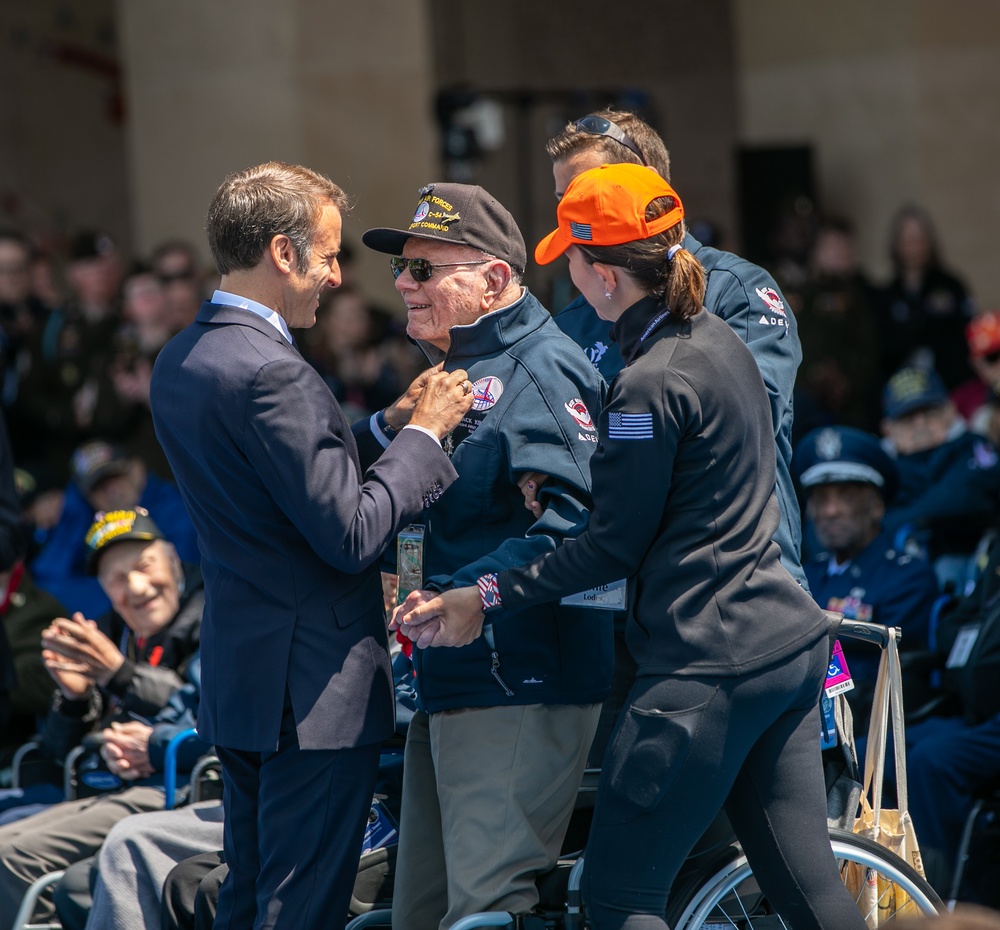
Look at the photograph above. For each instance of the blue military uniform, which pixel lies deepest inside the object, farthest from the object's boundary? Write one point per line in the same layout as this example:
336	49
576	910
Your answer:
884	583
881	585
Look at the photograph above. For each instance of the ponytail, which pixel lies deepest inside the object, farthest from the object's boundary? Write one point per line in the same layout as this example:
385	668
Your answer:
684	293
660	265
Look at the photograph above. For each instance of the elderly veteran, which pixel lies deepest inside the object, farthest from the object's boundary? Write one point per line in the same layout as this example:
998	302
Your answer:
495	754
860	570
138	687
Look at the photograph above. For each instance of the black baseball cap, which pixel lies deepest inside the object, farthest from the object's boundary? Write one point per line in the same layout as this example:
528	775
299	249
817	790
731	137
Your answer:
117	526
462	214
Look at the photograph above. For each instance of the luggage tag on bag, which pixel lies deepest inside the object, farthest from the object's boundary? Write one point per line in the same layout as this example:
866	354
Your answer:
828	723
613	596
838	675
409	561
962	647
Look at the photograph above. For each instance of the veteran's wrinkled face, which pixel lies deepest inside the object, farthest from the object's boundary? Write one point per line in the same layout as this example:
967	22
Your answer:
143	582
453	296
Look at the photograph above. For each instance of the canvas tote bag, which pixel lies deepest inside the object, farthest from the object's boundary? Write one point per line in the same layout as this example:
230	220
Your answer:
892	829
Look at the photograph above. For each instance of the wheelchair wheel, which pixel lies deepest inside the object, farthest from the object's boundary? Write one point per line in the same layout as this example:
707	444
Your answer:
726	894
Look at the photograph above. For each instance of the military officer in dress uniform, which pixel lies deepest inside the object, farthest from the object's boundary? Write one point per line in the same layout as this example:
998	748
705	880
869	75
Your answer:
848	480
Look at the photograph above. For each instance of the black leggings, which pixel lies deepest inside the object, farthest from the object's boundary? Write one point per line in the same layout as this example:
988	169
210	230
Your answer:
687	746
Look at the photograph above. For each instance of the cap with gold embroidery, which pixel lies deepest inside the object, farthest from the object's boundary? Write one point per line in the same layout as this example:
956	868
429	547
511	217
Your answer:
118	526
462	214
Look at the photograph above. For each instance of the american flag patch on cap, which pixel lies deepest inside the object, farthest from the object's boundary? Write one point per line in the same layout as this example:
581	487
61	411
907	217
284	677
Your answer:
630	426
581	231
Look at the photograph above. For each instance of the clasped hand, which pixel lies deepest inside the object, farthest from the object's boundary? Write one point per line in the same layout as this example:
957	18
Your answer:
78	655
436	400
126	749
440	618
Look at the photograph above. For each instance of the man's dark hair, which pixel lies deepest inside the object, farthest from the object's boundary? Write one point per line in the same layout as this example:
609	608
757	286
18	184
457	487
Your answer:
253	206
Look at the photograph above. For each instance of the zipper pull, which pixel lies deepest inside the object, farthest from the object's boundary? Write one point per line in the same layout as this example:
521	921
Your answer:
495	672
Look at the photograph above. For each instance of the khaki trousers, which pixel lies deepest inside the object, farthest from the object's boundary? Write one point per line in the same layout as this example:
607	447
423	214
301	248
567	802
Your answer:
487	798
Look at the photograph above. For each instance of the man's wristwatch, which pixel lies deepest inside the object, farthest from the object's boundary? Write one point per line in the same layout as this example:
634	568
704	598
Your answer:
383	424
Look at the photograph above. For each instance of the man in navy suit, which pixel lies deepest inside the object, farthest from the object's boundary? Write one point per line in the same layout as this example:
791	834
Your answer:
296	683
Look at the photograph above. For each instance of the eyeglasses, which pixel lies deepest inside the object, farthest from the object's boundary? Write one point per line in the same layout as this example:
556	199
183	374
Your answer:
599	126
421	269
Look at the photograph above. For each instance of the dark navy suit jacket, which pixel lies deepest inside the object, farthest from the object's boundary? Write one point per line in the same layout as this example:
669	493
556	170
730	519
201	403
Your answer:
290	533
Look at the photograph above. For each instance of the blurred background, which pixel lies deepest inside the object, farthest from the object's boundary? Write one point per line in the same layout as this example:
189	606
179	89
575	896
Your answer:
126	115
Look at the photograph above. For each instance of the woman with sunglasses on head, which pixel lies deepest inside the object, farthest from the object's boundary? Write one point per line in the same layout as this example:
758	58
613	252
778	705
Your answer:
731	653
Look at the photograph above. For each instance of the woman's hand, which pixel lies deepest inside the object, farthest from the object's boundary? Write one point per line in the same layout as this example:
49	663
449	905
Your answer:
447	618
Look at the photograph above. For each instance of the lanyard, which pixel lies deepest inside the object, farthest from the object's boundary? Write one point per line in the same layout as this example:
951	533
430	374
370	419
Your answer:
647	332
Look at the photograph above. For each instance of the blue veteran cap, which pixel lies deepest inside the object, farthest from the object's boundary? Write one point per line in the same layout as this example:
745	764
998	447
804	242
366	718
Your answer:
839	454
911	389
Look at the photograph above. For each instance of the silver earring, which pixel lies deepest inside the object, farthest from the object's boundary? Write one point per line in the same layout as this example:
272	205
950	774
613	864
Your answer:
607	294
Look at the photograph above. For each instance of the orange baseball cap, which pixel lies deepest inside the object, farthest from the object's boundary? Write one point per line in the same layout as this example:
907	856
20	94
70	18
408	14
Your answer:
983	333
607	206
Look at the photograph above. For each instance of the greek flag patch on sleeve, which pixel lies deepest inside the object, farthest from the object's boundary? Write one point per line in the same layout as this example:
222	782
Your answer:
630	425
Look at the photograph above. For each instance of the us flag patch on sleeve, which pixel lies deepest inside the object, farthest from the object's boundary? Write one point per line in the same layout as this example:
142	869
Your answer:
630	425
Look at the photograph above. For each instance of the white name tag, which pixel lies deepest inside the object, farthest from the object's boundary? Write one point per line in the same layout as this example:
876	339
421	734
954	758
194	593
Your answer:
612	596
962	648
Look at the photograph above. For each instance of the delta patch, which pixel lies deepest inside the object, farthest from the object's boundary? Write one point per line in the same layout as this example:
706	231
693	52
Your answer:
486	392
772	300
577	409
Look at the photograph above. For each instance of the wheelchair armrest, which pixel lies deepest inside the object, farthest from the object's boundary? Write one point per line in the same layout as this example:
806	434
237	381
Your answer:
170	766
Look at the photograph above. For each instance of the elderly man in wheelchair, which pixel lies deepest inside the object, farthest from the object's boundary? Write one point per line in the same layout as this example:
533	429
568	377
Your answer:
127	700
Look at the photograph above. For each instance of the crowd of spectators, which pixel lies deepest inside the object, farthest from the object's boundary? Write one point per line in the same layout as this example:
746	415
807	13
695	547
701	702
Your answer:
897	429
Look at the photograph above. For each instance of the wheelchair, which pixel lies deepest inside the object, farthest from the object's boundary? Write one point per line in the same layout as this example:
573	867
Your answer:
716	887
205	783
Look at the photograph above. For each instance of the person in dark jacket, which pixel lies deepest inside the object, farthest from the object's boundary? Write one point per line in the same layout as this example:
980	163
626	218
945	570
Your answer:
861	571
135	697
731	652
126	664
297	691
949	478
496	752
922	312
741	293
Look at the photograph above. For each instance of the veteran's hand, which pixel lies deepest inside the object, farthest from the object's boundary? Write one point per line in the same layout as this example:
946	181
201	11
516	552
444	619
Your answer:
126	749
530	484
85	648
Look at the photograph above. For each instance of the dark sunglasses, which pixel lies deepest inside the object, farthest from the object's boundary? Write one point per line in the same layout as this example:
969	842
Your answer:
421	269
599	126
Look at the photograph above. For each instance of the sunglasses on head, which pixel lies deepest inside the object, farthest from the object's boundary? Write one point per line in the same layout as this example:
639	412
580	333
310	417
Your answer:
599	126
421	269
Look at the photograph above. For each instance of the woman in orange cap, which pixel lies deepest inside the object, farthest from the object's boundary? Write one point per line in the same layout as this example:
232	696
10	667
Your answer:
731	652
